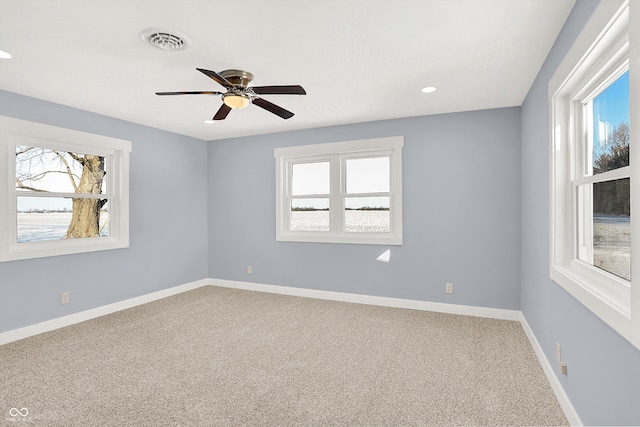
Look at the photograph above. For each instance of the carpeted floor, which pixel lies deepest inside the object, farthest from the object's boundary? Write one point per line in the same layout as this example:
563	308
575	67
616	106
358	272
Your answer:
216	356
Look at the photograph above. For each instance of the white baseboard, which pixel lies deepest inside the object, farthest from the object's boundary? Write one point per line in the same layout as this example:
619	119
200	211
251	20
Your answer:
493	313
61	322
563	399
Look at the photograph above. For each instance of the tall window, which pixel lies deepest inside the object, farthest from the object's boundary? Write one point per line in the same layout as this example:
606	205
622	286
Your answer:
594	215
66	191
602	183
346	192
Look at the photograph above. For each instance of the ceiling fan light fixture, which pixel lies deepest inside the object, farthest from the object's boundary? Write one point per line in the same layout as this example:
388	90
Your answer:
236	101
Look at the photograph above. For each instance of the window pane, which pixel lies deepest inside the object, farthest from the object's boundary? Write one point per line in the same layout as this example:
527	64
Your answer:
608	236
310	214
49	218
610	111
367	214
42	169
310	178
368	175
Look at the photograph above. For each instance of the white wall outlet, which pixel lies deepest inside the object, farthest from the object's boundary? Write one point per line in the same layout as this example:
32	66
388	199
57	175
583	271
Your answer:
561	364
249	269
449	288
64	298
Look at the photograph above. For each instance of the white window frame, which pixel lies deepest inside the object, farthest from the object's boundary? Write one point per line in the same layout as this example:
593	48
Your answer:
15	132
606	47
337	153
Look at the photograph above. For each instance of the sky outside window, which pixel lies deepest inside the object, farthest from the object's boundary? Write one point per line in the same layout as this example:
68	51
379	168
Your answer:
610	109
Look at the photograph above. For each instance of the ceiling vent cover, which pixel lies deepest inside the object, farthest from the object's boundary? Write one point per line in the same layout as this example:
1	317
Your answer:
165	40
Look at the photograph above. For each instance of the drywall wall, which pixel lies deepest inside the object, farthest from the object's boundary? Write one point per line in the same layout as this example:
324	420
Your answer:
168	237
461	213
603	381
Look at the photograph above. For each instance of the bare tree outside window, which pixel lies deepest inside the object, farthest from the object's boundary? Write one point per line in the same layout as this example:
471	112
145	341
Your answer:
615	153
46	179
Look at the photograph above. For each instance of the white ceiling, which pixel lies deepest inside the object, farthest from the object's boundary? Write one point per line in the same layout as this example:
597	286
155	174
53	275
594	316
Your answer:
359	60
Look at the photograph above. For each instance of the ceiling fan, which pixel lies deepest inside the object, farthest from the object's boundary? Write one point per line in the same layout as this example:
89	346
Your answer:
241	92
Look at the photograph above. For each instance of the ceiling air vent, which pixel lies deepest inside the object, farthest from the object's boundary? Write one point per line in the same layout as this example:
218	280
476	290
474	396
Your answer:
165	40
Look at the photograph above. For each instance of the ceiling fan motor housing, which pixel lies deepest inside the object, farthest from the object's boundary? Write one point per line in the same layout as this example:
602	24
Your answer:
238	77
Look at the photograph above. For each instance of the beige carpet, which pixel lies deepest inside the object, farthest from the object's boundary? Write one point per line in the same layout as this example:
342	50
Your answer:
216	356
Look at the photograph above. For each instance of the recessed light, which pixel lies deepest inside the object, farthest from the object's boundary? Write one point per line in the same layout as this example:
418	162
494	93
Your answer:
4	55
209	122
428	89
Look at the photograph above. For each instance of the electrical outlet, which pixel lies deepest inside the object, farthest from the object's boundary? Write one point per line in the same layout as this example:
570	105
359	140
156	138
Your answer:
249	269
449	288
64	298
561	364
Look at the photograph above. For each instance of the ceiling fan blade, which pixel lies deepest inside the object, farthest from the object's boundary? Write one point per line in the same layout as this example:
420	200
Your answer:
189	93
273	108
279	90
217	77
222	113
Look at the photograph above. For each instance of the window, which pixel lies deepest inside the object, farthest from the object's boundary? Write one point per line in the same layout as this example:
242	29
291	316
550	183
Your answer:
343	192
593	156
602	178
66	191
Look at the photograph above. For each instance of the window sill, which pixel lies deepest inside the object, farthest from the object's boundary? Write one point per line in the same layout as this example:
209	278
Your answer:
610	301
22	251
328	238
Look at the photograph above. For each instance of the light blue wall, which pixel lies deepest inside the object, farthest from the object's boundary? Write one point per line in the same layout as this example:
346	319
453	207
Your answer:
475	214
461	213
168	238
604	369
